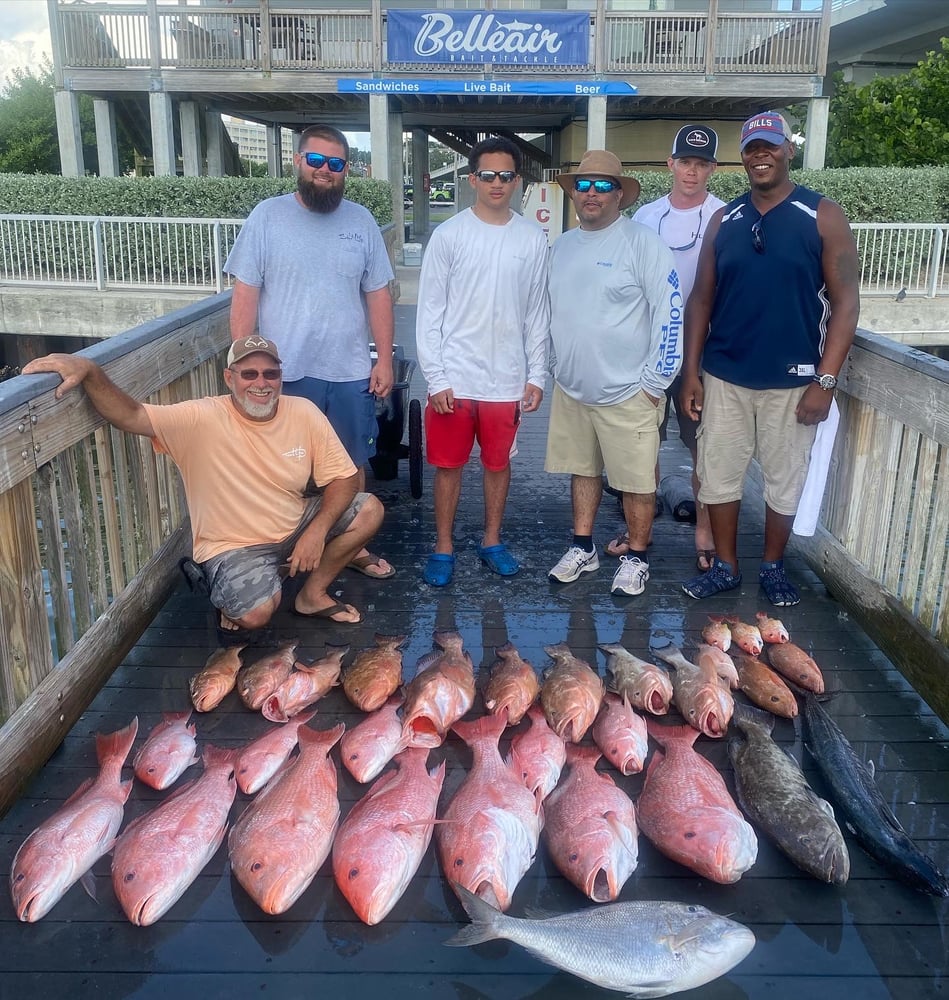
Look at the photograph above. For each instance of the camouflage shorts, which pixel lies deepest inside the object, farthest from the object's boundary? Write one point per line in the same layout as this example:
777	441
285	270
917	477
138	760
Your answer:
243	579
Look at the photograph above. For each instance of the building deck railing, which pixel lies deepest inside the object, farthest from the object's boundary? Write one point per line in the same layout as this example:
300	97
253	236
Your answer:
245	37
177	254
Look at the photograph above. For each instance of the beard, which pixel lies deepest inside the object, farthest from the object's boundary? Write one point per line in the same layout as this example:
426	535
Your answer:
255	410
320	198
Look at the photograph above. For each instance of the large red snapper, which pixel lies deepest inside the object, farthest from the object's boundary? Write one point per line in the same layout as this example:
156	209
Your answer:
538	755
513	685
687	813
371	744
441	692
306	685
376	673
590	828
571	695
284	835
258	680
488	835
381	842
792	662
64	847
216	679
162	852
700	696
168	752
647	685
621	734
260	760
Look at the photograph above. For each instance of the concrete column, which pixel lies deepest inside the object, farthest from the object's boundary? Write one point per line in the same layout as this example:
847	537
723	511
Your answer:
420	216
189	117
163	134
107	146
815	149
394	173
596	123
379	138
274	151
69	133
214	128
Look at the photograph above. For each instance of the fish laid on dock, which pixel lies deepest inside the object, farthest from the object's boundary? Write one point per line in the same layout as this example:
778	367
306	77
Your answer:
381	842
162	852
259	761
513	685
372	743
216	680
792	662
590	828
258	680
376	673
647	685
745	636
64	847
711	658
307	684
642	948
538	755
621	734
168	752
772	629
717	633
571	694
862	806
700	696
764	687
775	796
441	692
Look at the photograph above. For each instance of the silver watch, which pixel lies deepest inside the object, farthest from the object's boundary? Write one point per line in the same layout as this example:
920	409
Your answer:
826	382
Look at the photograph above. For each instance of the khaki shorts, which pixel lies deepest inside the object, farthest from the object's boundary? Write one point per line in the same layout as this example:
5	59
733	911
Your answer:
622	438
739	424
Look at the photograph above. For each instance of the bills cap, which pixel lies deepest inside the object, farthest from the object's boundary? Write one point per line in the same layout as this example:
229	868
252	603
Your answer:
696	140
768	125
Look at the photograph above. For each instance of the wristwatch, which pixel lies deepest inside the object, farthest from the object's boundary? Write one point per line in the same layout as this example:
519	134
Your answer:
826	382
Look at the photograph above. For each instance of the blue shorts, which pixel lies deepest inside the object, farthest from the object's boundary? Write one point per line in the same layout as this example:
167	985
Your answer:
350	408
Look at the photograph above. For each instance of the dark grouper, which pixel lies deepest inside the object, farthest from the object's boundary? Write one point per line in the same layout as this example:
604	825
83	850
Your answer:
776	797
862	806
643	949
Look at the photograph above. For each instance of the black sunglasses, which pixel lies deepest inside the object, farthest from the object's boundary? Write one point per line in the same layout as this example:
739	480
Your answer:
316	160
602	186
505	176
695	238
757	237
252	374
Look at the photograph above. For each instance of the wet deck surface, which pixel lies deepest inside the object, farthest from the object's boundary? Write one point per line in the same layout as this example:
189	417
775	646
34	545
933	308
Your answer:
873	938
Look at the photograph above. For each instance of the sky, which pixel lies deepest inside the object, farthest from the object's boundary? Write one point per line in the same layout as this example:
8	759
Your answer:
24	35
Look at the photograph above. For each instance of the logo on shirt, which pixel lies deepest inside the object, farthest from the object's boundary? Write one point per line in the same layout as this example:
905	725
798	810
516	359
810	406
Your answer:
355	237
604	263
670	348
299	452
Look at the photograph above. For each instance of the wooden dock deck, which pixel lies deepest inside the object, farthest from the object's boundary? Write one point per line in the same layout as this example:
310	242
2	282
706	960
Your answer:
873	939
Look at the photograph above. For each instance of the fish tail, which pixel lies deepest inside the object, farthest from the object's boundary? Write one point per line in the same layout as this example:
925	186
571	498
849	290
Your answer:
389	640
582	754
610	647
557	650
447	639
485	919
327	737
220	757
116	745
665	734
487	726
748	715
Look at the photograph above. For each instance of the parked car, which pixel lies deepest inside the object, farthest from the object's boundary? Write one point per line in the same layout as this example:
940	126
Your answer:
444	192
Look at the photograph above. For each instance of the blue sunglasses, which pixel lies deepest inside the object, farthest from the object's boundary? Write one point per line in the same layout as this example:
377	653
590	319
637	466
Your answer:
316	160
601	186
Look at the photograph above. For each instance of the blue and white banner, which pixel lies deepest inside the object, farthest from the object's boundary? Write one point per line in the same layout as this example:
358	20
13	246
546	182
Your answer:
532	38
496	88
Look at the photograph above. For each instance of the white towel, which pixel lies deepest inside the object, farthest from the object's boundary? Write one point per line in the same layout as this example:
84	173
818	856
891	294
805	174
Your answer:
808	509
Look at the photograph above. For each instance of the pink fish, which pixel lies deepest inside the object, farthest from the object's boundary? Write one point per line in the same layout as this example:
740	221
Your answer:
621	734
746	636
590	828
284	835
64	847
538	755
647	685
513	685
216	680
162	852
380	844
488	836
571	695
687	813
771	629
701	698
259	761
717	633
306	685
168	752
258	680
441	692
712	658
372	743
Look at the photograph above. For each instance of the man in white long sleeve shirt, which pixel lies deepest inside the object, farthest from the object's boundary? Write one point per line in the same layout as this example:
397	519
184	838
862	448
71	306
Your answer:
481	332
616	332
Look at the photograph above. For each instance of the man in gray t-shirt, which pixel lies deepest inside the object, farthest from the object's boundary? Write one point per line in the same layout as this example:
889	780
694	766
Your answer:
312	271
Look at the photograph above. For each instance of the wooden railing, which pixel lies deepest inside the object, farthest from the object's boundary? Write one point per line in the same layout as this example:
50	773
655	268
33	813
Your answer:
346	40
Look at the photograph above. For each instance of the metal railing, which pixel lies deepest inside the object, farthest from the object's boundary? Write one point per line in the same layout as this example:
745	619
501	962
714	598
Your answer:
188	254
179	36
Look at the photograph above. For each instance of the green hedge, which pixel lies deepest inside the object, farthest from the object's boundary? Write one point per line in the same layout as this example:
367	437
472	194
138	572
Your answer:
176	197
867	194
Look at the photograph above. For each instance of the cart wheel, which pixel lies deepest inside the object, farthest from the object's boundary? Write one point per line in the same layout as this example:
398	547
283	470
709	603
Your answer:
415	448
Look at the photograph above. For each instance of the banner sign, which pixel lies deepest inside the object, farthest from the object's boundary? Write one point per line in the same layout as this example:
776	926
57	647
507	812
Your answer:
541	38
549	88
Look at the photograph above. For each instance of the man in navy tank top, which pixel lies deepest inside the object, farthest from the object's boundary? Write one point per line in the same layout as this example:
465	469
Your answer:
769	323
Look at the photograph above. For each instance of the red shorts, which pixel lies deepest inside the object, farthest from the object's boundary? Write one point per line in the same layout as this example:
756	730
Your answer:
449	437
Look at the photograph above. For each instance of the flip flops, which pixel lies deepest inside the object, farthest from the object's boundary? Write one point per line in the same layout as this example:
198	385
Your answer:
327	613
704	559
363	564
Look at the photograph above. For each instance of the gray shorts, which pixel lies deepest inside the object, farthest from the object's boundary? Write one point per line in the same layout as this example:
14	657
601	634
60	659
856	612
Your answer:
243	579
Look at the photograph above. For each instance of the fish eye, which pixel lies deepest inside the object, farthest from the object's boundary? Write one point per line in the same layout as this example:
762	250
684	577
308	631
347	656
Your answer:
129	876
353	873
354	756
20	876
574	856
459	862
256	866
689	834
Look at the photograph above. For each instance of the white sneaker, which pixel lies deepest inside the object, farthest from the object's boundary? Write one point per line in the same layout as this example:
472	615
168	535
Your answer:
572	563
631	576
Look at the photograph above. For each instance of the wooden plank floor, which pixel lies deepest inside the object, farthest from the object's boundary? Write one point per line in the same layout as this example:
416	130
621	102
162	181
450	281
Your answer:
874	938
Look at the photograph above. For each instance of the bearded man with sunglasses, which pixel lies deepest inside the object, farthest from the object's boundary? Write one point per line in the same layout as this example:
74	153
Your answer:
481	333
770	320
246	461
312	271
616	349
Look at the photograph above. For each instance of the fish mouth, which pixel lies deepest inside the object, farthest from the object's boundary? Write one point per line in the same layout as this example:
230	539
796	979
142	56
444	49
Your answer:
601	886
282	894
146	911
656	703
33	908
712	725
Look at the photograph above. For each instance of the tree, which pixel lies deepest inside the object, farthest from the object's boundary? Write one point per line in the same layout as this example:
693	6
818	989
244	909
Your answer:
900	121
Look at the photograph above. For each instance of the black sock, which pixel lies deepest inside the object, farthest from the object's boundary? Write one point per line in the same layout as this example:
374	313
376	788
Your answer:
633	553
584	541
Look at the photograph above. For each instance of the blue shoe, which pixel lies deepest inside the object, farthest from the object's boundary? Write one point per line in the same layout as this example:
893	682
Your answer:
499	560
778	588
716	580
439	569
